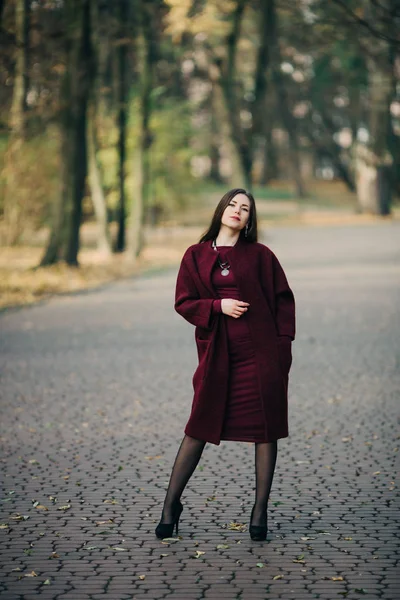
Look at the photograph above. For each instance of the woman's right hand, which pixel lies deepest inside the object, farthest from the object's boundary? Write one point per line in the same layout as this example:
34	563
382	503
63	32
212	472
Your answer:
233	308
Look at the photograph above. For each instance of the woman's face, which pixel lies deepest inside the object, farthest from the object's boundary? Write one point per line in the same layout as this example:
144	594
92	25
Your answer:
237	213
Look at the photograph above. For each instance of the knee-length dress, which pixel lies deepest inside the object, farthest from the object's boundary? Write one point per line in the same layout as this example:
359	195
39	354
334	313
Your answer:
243	419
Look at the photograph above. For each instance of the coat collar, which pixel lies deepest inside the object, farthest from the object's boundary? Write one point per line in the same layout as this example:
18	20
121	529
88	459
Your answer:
208	257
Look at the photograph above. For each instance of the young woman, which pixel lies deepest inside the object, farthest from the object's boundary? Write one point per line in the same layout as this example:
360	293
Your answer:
235	292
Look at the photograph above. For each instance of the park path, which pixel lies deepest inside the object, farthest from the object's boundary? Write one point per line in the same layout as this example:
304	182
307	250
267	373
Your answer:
95	393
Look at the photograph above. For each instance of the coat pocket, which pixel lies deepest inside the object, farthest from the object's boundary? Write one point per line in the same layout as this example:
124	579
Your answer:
285	354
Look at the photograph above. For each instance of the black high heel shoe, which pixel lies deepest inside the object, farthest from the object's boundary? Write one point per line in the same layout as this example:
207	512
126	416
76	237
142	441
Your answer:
164	530
258	533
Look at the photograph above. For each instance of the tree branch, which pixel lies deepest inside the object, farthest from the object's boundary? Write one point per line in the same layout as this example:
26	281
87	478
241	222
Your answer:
356	19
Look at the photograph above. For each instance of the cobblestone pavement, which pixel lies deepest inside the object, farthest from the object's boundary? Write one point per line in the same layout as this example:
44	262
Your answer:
96	390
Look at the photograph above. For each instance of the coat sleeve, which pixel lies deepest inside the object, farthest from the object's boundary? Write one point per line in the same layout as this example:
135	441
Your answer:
200	312
284	301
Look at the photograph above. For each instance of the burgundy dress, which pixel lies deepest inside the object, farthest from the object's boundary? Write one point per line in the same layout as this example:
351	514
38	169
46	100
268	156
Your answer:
243	419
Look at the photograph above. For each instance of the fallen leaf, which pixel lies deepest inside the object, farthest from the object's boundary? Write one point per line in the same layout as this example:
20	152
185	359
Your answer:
104	522
170	540
164	554
299	559
4	526
234	526
65	507
199	553
142	576
348	539
118	548
222	546
31	574
46	582
375	473
54	555
278	577
260	565
41	507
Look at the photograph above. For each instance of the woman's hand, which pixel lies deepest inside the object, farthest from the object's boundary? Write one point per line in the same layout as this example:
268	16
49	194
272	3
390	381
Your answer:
233	308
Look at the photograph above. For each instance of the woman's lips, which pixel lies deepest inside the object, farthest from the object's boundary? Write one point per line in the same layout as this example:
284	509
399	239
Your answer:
236	218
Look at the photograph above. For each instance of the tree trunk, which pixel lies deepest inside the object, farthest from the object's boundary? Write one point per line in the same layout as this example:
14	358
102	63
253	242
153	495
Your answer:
373	162
101	47
141	202
393	138
230	150
136	236
64	238
289	122
230	95
14	200
122	61
147	81
97	193
270	163
260	125
215	174
18	106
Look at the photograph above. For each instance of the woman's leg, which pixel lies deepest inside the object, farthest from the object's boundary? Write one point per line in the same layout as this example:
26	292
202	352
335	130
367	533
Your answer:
186	460
265	460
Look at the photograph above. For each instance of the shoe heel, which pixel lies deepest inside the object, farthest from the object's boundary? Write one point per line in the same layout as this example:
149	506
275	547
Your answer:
258	533
164	530
180	509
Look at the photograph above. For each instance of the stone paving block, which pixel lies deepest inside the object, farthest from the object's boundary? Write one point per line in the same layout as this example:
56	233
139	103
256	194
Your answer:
85	380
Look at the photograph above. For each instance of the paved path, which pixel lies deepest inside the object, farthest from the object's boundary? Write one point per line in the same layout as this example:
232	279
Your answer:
96	390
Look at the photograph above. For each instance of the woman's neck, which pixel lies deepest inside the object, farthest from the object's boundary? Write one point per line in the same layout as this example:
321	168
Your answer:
227	237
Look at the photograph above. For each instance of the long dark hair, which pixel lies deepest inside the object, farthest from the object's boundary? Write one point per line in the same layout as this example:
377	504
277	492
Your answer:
215	225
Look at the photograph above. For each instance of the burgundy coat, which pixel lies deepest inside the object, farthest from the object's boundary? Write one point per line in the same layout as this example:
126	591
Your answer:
271	318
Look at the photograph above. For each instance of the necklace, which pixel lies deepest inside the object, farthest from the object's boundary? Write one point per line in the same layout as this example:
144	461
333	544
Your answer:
225	266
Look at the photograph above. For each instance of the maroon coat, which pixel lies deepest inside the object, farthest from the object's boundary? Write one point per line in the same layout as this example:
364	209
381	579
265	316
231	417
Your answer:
271	314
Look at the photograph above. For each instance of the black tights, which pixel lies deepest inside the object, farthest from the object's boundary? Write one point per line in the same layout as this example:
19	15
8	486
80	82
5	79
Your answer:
265	460
187	458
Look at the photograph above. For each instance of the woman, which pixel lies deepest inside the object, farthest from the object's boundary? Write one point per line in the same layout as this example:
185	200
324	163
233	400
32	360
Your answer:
235	292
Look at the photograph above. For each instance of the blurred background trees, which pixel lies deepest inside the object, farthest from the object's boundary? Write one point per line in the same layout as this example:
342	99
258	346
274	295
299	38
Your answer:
126	111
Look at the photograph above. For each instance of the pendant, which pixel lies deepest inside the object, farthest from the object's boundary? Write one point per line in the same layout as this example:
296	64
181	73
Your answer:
225	272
